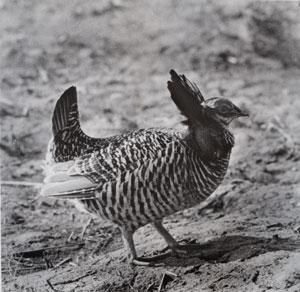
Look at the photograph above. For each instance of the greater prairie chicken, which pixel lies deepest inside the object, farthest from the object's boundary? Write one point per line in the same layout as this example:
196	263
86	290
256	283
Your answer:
143	176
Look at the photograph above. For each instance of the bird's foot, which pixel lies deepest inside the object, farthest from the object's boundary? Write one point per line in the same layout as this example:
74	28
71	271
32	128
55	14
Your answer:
179	251
153	261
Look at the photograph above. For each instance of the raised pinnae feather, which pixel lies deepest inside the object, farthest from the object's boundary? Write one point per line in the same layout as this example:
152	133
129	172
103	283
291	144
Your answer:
192	88
186	95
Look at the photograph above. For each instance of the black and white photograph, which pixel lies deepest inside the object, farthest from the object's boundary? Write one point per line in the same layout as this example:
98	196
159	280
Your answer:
150	146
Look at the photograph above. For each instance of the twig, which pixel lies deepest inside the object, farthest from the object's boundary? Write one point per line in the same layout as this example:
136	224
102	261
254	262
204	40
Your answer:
21	183
48	263
33	268
77	260
85	227
90	273
41	252
150	287
108	288
70	237
51	286
166	278
95	248
62	262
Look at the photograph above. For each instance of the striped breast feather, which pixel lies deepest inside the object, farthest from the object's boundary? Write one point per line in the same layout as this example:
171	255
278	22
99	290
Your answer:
89	172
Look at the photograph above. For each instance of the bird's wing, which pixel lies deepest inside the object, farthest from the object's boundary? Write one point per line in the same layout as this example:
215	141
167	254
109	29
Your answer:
89	172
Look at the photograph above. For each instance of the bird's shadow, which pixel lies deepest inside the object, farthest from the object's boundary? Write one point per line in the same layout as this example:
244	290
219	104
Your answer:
229	248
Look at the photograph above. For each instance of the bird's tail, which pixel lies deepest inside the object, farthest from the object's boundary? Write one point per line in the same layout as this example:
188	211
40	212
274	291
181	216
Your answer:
65	115
69	141
64	182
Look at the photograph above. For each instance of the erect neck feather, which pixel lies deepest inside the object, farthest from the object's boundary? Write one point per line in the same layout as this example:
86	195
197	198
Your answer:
210	138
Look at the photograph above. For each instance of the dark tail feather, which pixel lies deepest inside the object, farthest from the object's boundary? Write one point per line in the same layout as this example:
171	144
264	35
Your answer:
66	112
69	139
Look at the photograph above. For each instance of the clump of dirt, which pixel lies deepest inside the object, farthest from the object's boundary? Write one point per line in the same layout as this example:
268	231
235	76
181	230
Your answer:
118	54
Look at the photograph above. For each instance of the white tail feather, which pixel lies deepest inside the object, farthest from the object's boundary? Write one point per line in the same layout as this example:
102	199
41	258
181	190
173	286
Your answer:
62	166
59	177
73	185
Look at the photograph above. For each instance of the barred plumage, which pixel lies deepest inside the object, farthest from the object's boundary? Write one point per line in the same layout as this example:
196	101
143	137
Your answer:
141	177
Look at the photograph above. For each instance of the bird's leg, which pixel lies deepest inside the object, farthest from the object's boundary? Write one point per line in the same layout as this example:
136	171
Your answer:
170	240
127	237
172	243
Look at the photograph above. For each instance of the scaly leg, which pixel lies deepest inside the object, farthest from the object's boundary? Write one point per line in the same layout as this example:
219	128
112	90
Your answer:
170	240
127	237
172	243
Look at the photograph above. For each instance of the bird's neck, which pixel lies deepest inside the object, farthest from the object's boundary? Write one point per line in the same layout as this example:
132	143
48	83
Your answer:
211	139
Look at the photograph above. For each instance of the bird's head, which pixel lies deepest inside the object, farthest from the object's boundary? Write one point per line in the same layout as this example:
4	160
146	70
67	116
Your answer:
188	98
222	110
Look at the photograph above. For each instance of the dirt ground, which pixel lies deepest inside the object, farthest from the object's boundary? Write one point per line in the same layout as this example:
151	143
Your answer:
118	54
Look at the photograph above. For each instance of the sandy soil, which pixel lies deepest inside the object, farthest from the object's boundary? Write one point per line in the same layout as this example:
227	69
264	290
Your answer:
118	54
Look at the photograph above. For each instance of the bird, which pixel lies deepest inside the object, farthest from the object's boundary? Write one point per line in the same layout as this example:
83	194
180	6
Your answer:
143	176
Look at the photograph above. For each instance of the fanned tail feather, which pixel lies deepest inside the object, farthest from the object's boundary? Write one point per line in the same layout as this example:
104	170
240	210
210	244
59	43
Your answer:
66	112
69	141
64	183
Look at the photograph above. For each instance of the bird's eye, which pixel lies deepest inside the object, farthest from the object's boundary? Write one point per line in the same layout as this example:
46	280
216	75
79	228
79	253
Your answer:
223	109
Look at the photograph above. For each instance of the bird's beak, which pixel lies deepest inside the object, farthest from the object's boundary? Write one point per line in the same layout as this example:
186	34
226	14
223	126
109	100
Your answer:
243	113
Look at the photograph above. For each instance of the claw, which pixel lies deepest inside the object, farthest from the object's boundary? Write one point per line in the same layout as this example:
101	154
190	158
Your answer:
151	261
